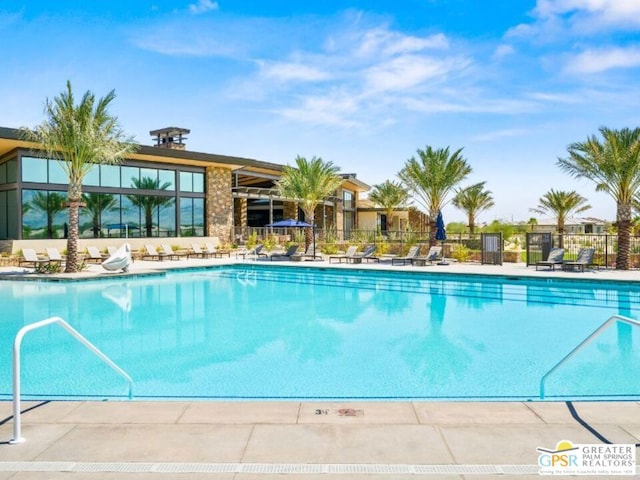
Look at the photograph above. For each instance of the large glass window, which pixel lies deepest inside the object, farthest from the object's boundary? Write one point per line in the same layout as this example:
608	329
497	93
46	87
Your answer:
4	229
198	182
130	177
44	214
57	173
186	181
130	219
191	217
109	176
96	214
92	177
34	170
168	178
167	217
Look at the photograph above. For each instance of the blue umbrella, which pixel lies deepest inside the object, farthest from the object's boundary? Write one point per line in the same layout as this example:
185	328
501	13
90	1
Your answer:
289	222
441	235
292	223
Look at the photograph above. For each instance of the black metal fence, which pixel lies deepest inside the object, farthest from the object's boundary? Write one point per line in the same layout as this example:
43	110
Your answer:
525	247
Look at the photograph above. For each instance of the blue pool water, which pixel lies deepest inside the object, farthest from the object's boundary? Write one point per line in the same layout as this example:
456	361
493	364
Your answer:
263	332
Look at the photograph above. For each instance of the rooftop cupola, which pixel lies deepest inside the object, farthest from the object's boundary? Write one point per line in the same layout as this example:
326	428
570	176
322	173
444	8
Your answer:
170	137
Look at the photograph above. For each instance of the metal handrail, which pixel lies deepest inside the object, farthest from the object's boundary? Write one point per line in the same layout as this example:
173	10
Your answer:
596	332
17	437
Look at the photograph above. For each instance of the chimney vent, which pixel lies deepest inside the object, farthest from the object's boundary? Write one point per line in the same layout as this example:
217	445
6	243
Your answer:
170	137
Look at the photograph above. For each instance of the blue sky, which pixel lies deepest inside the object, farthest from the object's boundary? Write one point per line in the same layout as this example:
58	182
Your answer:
363	84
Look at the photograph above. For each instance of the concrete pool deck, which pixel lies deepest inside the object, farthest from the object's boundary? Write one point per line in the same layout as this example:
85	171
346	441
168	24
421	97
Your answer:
309	440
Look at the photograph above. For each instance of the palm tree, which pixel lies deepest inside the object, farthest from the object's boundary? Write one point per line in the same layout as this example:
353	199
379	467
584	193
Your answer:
79	136
390	196
532	222
50	203
561	205
473	200
613	164
149	203
309	183
432	177
96	204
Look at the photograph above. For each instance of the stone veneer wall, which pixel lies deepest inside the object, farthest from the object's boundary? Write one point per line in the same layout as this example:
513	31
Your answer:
240	217
219	203
290	210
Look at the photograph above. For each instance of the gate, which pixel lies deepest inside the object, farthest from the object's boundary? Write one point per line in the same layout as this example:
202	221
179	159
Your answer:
538	247
491	248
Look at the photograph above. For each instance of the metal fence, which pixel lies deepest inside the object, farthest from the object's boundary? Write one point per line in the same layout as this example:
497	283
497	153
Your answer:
529	247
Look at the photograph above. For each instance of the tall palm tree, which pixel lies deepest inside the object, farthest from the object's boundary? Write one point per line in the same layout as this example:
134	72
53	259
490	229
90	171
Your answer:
473	200
613	164
532	222
79	136
390	196
561	205
309	183
96	204
431	178
149	203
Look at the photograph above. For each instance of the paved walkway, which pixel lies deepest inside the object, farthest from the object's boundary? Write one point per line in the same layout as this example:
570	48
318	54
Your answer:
309	440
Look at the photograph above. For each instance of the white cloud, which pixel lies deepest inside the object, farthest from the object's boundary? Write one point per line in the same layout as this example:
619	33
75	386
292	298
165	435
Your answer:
578	17
499	134
203	6
288	72
408	71
596	61
502	51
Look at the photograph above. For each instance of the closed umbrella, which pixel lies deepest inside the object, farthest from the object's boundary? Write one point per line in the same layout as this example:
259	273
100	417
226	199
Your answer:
441	235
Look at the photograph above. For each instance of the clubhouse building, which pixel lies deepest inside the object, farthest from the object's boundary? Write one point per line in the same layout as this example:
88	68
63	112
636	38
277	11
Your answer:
162	190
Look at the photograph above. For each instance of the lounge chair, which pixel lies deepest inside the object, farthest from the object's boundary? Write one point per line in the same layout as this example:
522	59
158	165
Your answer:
212	249
255	252
197	252
152	253
555	258
432	255
94	255
171	254
30	258
111	249
368	255
291	251
350	253
309	255
54	255
411	255
584	259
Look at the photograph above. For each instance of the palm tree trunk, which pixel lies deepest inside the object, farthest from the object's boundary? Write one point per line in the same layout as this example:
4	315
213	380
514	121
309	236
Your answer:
624	234
72	261
472	224
432	228
308	232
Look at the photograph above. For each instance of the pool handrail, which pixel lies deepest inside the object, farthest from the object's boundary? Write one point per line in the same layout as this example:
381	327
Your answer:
17	434
595	333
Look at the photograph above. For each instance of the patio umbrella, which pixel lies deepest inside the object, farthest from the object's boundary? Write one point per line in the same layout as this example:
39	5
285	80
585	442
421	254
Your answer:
293	223
441	235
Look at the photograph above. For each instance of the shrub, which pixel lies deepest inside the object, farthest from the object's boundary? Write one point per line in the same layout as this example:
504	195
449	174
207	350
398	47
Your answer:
461	253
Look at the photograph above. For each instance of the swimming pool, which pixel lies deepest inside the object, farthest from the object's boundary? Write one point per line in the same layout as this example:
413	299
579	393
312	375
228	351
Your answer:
264	332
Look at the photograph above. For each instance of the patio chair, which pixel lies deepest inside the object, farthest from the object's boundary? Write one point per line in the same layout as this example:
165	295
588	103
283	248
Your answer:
291	251
411	255
350	253
584	259
255	252
212	249
152	253
119	260
30	258
434	253
54	255
555	258
197	252
368	255
94	255
171	254
309	255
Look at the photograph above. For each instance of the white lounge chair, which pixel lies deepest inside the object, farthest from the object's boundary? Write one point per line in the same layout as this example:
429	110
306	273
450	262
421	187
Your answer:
120	260
30	258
